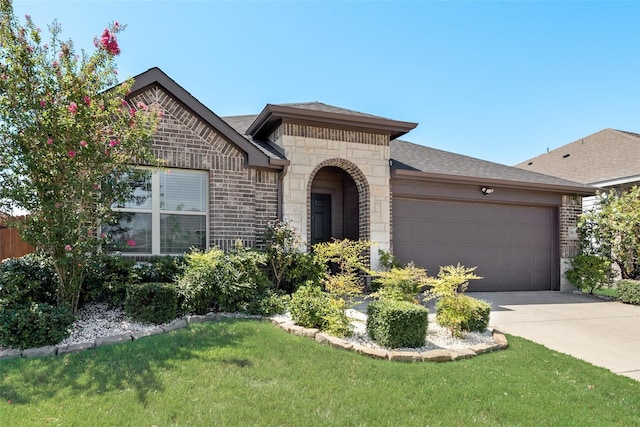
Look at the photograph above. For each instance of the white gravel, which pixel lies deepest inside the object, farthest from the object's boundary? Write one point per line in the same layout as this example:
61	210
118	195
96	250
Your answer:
99	320
437	336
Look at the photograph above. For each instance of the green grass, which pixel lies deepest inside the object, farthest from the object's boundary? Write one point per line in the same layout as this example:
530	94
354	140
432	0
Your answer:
243	373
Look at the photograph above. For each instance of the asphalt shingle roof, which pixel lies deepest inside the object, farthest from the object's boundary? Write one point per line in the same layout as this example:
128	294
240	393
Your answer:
603	156
409	156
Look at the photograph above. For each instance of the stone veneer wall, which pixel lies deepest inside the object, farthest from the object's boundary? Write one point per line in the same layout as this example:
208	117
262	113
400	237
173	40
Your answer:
569	243
241	199
364	155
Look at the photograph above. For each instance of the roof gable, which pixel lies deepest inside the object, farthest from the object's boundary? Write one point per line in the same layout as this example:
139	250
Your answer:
607	155
325	114
155	76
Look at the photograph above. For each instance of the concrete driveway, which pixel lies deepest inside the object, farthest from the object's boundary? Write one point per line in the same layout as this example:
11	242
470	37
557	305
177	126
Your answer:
604	333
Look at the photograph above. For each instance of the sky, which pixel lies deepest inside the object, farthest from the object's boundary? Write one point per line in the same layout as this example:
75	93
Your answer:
498	80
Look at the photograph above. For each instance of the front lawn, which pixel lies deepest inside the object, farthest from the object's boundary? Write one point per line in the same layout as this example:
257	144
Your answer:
243	372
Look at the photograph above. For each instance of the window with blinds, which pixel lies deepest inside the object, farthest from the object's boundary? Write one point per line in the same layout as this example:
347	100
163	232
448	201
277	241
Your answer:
166	215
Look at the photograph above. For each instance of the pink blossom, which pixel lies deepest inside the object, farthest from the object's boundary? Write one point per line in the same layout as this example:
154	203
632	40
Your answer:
49	140
58	205
142	106
112	143
72	154
131	242
108	42
103	235
160	113
83	143
55	64
43	103
132	111
73	108
68	248
87	100
124	103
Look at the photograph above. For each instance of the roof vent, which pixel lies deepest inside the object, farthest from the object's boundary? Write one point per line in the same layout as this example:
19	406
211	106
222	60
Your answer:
565	156
530	163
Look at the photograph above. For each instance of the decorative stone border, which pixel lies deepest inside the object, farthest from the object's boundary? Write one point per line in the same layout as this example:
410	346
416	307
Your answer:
440	355
117	339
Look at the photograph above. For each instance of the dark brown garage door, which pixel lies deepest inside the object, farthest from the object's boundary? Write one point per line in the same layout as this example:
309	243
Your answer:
512	246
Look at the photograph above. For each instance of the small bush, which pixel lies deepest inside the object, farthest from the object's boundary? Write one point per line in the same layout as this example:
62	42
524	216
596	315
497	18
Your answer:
628	291
107	278
270	303
336	322
309	306
462	313
215	280
34	325
400	284
396	324
451	280
589	272
164	269
28	279
152	302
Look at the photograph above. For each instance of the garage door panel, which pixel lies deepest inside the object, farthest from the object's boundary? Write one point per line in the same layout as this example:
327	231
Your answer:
511	245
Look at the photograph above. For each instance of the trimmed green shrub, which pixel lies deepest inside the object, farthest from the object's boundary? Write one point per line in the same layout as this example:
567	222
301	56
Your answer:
309	305
107	278
628	291
400	284
152	302
28	279
219	281
34	325
462	313
589	272
270	303
396	324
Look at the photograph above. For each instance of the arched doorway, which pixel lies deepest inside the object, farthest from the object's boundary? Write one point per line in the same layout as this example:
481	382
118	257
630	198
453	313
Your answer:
338	203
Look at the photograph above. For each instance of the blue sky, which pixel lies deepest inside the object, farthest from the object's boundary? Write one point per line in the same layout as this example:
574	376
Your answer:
501	81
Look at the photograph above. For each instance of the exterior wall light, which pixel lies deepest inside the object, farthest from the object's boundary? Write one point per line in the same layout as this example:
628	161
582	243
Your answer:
487	190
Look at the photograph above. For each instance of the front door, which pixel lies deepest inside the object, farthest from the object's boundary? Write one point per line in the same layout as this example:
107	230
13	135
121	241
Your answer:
320	218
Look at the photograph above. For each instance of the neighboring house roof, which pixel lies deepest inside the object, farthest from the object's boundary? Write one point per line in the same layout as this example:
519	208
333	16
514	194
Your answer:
409	159
604	158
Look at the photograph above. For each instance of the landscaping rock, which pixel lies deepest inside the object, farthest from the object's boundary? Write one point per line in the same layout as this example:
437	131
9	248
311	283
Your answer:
74	348
500	339
484	348
309	332
49	350
277	320
142	334
174	325
10	354
115	339
437	356
371	352
199	318
322	338
405	356
462	353
339	343
292	329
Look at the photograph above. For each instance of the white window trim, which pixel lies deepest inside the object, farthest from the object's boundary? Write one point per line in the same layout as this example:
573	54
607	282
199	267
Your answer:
156	212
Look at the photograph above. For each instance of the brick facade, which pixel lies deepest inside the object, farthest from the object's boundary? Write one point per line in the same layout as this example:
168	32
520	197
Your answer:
569	243
241	199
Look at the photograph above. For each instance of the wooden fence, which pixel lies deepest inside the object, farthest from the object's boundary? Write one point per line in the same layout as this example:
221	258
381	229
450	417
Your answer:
11	245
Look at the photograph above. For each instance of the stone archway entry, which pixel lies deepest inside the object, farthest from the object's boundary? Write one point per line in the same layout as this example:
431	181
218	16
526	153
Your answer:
336	205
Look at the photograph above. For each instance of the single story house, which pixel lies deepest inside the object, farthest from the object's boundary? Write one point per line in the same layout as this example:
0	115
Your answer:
338	173
607	160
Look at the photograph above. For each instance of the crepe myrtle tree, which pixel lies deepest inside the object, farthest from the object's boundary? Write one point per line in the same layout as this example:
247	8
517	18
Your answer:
612	230
68	136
